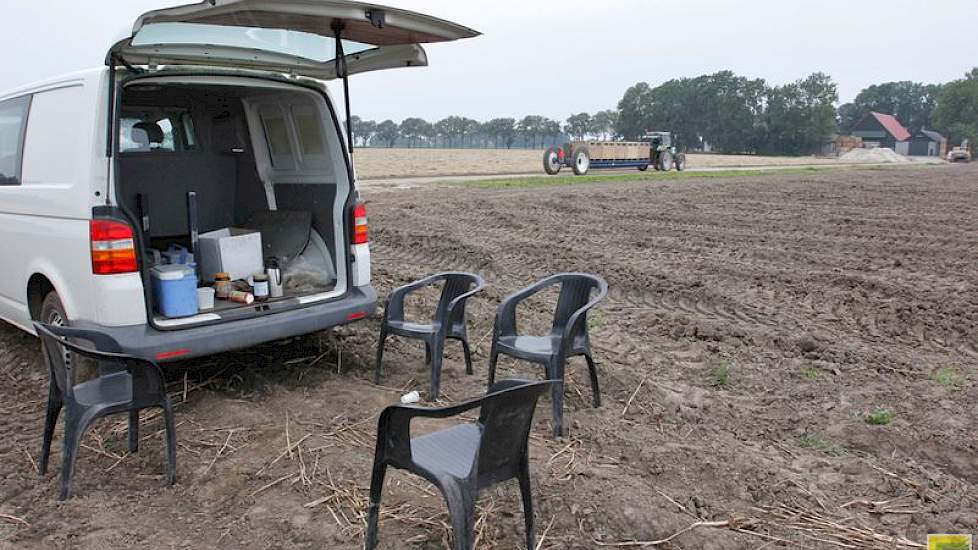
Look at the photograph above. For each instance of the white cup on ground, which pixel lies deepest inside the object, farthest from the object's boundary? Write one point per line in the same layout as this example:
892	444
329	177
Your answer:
409	398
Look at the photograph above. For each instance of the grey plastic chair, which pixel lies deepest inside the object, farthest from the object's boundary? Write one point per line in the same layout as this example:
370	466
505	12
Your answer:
448	321
124	384
465	459
567	338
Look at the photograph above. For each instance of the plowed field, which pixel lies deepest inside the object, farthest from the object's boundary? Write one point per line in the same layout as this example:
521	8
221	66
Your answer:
786	361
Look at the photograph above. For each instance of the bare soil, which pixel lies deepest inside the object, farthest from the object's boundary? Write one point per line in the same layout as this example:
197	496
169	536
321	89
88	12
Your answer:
754	326
382	163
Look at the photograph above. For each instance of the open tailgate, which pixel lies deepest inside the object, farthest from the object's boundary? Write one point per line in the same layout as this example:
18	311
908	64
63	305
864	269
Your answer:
289	36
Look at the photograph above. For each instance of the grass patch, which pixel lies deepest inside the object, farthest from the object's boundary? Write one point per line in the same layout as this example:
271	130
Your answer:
821	445
946	377
879	417
552	181
721	376
810	373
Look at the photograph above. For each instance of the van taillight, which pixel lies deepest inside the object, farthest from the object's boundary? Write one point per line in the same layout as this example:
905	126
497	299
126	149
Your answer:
113	247
360	224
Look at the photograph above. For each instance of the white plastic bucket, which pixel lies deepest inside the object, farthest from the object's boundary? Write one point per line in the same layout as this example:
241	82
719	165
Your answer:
205	298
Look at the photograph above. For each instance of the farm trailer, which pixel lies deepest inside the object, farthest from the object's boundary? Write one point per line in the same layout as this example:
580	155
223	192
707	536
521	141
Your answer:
659	152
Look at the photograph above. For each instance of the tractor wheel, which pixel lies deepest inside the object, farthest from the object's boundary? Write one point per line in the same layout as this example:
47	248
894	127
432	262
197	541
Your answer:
655	162
581	160
643	167
680	162
665	162
551	161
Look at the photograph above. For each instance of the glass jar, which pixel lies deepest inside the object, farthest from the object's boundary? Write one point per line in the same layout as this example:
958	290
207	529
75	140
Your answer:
222	285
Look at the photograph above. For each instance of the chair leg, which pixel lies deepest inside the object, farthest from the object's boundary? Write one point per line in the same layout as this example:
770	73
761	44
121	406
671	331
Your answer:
595	390
171	443
50	423
468	356
380	354
134	431
461	512
373	510
437	351
75	427
493	357
556	372
524	478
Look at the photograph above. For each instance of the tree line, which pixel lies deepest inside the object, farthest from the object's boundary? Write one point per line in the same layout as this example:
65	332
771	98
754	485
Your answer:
720	112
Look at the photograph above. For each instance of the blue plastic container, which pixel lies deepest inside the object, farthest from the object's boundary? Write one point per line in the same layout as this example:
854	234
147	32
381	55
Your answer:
177	254
175	289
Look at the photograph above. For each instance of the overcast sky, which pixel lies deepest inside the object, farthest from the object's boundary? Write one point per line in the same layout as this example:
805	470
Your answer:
559	58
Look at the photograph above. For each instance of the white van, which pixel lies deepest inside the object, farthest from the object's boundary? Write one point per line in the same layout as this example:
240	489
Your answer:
209	116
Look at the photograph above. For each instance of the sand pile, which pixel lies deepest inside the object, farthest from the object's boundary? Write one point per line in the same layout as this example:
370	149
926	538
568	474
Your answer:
880	155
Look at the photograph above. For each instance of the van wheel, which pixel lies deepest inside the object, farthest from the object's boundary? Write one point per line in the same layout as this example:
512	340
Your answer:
53	313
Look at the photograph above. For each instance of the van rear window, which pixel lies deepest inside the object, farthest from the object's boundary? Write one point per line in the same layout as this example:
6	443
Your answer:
149	132
281	41
13	122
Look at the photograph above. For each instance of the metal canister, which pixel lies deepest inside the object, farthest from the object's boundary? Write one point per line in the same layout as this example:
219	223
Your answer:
222	285
274	272
261	286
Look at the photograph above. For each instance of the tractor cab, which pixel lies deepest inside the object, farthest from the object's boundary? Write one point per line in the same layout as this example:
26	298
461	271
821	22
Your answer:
660	141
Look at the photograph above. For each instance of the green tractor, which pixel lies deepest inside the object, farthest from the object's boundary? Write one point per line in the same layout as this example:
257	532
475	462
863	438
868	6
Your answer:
664	154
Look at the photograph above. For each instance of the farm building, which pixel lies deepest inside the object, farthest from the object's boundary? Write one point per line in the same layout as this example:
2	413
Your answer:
879	130
927	143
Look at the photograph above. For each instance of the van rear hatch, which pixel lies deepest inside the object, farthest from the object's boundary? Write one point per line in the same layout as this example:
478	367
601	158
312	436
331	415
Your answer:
287	36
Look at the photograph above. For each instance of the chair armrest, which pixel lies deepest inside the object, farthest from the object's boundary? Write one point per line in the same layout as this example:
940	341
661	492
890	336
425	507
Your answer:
394	428
506	314
108	361
394	306
103	342
579	315
479	286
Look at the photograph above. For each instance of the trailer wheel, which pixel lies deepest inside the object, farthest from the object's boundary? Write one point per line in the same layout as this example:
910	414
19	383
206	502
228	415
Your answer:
551	161
582	161
665	162
680	162
643	167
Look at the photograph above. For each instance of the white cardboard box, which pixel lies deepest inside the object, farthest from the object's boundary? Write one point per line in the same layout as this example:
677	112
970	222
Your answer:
234	250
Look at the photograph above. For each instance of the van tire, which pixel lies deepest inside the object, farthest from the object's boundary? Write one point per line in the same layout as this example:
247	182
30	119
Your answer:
53	313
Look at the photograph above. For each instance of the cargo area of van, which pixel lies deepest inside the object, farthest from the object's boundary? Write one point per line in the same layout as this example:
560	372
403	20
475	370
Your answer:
256	168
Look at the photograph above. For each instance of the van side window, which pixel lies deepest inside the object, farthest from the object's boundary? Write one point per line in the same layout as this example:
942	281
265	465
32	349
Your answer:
146	133
277	138
13	123
309	126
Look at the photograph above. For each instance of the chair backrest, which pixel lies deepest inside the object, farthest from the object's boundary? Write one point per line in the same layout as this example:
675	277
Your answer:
456	284
55	342
506	416
575	293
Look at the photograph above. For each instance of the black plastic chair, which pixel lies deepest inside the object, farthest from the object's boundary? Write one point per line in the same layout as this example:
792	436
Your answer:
465	459
568	337
124	384
448	322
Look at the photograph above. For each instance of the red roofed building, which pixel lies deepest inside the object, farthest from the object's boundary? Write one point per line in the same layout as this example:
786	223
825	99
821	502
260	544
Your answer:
880	130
